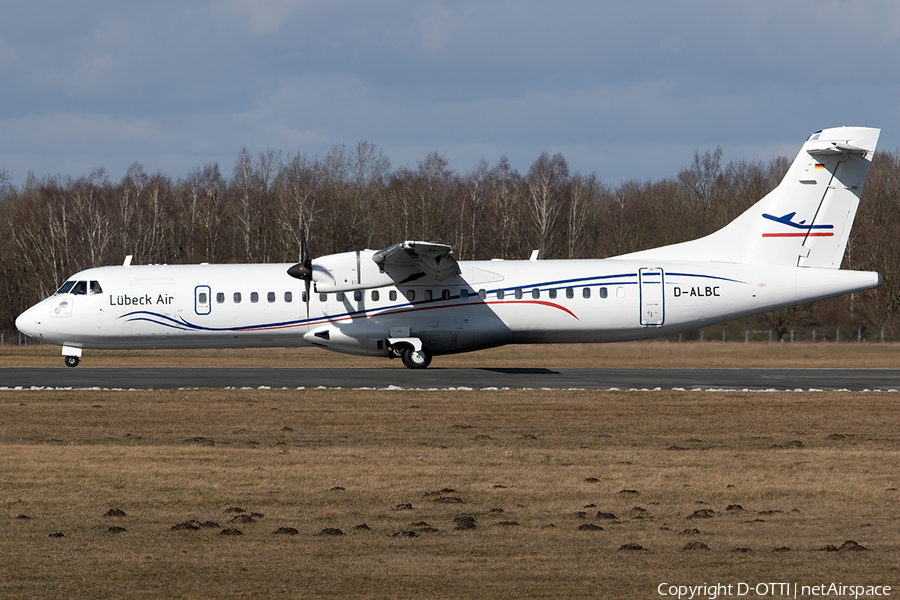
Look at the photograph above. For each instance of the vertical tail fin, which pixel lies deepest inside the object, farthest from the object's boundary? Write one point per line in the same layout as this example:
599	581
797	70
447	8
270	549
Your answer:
806	220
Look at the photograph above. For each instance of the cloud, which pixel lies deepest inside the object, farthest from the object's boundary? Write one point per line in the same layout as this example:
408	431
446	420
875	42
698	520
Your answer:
617	87
263	16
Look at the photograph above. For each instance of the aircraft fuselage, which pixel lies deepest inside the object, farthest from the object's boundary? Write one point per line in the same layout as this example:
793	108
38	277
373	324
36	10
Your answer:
490	303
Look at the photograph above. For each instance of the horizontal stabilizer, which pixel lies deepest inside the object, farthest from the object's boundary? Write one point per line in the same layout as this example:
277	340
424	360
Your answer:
838	148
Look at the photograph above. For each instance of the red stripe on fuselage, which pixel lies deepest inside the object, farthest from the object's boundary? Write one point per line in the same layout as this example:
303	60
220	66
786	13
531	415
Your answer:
797	234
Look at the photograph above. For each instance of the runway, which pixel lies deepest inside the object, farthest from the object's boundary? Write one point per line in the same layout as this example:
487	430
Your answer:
446	379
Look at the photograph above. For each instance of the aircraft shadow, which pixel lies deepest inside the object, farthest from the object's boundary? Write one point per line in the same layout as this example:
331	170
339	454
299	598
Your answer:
522	371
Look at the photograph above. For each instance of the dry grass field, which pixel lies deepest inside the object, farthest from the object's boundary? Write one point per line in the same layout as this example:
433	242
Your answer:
645	354
476	494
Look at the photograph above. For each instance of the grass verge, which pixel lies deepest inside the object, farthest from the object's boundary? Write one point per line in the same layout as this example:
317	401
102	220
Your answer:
462	494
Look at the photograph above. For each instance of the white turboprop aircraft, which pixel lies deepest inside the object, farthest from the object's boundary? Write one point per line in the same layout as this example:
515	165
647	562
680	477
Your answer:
413	300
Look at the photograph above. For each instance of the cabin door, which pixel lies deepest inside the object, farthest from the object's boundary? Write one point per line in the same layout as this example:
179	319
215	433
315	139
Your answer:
651	282
202	300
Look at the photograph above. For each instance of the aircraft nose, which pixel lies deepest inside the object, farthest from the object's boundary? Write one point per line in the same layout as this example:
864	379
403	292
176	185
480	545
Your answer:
27	322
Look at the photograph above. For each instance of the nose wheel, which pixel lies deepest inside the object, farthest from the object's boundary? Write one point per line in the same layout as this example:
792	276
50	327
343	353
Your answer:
72	361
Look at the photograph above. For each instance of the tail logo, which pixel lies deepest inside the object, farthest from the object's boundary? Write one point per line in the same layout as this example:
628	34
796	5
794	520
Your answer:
804	229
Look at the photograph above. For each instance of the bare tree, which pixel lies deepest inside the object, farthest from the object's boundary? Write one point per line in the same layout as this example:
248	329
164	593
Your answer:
129	207
504	191
210	189
584	197
546	181
91	214
297	188
252	180
699	181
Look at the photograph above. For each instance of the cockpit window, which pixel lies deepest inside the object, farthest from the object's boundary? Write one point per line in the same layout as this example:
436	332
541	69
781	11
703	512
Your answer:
95	288
80	288
64	288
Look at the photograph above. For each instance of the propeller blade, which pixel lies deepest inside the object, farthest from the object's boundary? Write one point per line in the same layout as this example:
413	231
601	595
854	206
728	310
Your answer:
304	251
306	269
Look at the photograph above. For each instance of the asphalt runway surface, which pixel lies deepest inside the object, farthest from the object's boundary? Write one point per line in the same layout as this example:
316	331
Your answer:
437	378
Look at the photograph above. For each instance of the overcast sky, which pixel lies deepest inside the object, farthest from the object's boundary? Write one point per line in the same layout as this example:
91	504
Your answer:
626	89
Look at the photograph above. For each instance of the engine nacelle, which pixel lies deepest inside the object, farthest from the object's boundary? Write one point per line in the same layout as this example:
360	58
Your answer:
349	271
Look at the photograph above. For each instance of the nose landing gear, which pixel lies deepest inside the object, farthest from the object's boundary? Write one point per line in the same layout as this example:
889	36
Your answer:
71	355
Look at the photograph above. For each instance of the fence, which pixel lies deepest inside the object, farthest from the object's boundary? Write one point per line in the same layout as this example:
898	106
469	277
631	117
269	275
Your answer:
857	334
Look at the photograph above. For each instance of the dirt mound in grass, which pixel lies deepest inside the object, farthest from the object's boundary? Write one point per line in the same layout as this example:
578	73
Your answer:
243	519
848	546
464	522
695	546
231	532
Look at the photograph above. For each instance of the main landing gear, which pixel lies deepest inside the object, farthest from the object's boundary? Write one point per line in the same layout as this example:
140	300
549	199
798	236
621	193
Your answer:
406	351
72	361
416	359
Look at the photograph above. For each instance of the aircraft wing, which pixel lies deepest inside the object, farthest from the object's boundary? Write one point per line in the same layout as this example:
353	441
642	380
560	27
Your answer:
432	260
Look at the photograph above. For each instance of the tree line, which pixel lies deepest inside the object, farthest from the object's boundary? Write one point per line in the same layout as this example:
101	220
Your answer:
352	198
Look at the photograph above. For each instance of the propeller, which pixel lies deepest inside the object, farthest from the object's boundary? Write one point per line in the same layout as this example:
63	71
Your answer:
303	269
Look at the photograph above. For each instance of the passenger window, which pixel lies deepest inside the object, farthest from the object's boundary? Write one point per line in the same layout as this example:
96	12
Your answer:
80	288
552	293
464	294
270	297
64	288
501	294
357	296
323	297
339	296
536	293
288	297
482	293
603	292
445	295
375	296
428	294
220	297
237	297
95	288
254	297
586	292
201	298
570	293
519	294
392	295
411	295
